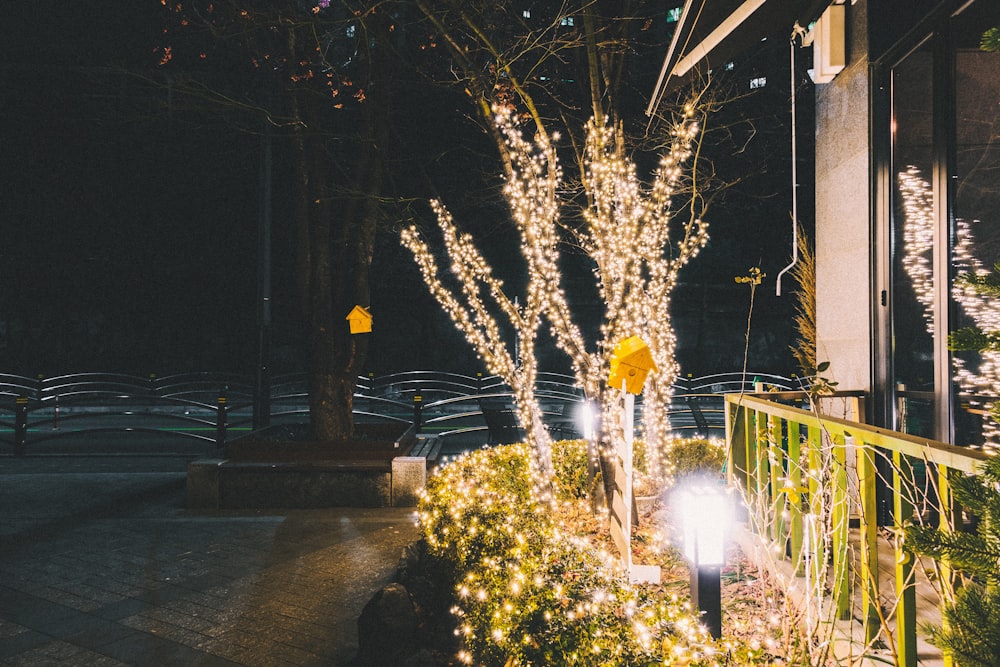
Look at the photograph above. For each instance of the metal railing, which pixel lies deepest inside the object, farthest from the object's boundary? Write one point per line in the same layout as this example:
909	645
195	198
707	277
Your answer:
796	467
206	409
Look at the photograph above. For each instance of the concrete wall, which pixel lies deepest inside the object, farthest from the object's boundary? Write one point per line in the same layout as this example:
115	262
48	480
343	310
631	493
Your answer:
842	214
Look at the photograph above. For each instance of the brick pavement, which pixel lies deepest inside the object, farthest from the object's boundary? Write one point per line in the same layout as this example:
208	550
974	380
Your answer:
100	564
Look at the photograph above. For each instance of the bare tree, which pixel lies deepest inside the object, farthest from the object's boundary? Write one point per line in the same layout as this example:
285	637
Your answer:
320	73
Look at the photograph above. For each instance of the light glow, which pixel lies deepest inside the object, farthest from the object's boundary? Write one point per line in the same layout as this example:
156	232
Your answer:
704	515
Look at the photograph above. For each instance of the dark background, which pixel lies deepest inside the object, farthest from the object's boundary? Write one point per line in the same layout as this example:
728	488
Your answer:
128	230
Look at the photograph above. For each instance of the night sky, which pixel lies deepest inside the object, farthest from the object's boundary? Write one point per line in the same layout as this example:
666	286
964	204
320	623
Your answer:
128	235
127	243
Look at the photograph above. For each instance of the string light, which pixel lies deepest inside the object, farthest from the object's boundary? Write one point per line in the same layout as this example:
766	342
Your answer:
574	605
638	246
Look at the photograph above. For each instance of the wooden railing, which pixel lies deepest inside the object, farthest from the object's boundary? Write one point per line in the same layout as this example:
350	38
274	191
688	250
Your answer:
807	478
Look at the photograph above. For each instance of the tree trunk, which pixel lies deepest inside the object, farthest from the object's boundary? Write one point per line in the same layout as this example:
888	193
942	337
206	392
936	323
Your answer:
330	411
341	244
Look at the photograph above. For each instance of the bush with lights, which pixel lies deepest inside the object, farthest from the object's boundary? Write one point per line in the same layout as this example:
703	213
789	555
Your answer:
688	457
531	591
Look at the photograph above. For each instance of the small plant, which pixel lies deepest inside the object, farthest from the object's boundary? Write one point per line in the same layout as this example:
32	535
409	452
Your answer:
971	632
820	385
804	273
990	40
753	278
804	349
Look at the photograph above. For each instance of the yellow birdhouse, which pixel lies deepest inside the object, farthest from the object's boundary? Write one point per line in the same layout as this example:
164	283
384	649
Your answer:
631	362
360	319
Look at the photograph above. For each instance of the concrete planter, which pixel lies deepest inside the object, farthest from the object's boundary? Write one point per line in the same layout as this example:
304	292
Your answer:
263	471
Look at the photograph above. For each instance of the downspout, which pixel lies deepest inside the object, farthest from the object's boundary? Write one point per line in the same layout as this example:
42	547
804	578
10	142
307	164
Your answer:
797	31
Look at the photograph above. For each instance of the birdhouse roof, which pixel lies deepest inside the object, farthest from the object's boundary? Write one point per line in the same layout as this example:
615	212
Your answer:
634	351
358	313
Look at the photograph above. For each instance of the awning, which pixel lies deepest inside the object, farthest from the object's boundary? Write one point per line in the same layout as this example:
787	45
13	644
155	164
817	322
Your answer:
713	32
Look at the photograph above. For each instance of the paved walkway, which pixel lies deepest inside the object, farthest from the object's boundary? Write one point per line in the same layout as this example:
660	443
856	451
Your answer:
100	564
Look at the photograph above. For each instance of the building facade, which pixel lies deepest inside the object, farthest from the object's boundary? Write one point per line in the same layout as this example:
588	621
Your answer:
907	194
908	167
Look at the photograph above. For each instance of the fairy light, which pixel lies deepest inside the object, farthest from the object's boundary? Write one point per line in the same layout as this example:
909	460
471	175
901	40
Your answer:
531	191
638	247
576	592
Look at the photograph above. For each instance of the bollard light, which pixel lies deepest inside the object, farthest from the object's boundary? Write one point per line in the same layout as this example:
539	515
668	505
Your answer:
587	419
704	516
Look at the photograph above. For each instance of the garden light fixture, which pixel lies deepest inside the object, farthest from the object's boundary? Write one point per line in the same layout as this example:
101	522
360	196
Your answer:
704	514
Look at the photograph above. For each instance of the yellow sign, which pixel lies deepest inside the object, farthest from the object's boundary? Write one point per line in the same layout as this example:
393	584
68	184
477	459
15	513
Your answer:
631	362
360	319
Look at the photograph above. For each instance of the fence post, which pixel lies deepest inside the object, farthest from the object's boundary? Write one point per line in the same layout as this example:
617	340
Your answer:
950	514
795	496
869	539
418	407
762	473
906	597
775	456
750	451
736	466
840	516
20	425
816	567
221	419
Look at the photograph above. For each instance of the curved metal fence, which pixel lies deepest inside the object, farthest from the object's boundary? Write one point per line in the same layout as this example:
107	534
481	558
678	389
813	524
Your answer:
195	412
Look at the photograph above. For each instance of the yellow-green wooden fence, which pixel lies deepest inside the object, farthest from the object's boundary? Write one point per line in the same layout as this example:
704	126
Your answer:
768	442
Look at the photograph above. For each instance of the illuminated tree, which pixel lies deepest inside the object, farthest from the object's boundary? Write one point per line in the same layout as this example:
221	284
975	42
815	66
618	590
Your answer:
637	253
556	60
532	192
638	243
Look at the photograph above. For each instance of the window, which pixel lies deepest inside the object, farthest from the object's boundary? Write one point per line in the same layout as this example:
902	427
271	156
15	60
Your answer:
942	225
526	13
674	15
758	82
567	21
975	200
913	233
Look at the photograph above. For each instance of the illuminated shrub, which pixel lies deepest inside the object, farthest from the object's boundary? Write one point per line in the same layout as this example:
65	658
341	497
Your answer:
530	591
695	456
